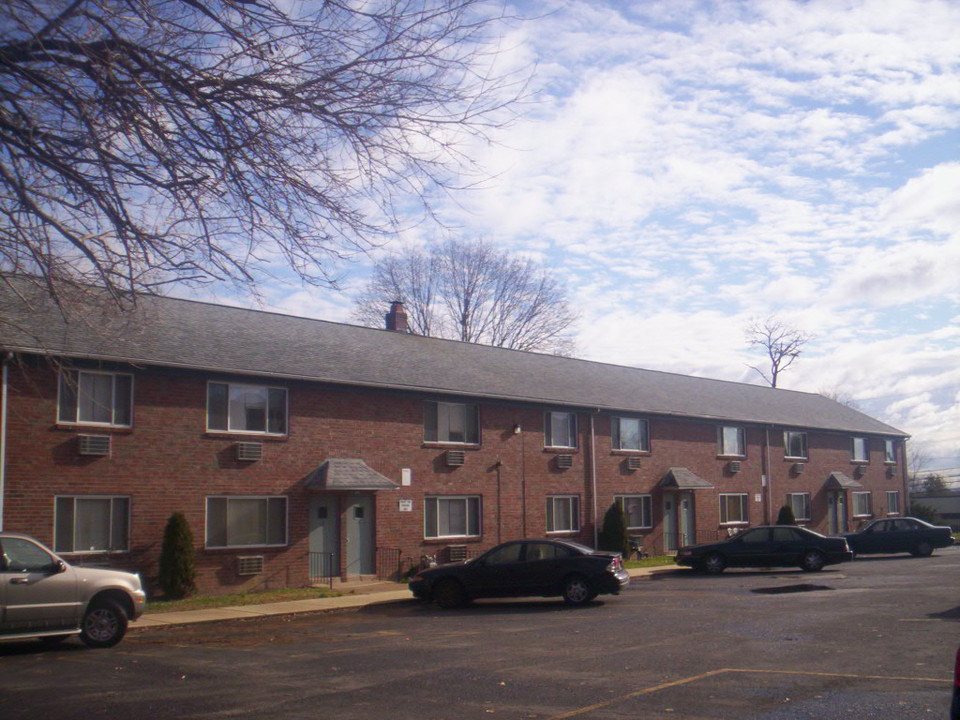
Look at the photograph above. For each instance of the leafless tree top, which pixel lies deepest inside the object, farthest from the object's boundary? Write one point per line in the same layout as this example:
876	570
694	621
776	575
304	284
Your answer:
783	345
144	142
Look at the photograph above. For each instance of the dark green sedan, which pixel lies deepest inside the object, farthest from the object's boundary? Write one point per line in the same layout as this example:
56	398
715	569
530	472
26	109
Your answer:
899	535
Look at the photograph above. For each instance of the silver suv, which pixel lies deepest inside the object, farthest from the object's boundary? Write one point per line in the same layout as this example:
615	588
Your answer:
41	596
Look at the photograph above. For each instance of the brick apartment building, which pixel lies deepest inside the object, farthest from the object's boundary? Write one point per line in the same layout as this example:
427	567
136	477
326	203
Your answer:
300	449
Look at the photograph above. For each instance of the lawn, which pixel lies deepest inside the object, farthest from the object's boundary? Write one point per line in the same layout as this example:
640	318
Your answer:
203	602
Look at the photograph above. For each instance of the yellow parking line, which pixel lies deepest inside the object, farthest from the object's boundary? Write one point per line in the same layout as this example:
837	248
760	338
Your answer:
726	671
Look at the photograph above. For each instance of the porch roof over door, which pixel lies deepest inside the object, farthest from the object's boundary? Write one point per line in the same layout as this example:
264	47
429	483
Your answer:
839	481
680	478
347	474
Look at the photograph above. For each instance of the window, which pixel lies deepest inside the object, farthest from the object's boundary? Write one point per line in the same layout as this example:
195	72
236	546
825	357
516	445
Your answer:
246	408
450	423
637	508
861	504
451	516
90	523
860	450
560	430
733	508
246	521
731	441
20	556
889	451
800	504
563	513
629	434
95	397
795	444
893	502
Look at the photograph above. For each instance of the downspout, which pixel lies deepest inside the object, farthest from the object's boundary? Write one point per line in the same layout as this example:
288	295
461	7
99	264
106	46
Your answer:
593	480
766	480
4	382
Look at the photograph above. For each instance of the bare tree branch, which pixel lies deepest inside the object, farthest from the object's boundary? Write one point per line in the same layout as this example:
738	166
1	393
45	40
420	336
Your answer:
782	344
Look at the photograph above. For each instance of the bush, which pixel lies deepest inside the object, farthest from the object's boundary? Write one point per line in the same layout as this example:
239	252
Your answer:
924	512
177	568
786	516
613	534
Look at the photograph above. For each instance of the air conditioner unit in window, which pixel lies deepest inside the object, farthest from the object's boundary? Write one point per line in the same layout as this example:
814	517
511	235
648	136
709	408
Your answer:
94	444
797	468
250	565
455	458
564	461
733	466
890	472
456	553
249	451
860	471
633	463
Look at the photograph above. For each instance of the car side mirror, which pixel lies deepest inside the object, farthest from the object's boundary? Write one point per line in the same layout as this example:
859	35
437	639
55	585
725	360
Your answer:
58	567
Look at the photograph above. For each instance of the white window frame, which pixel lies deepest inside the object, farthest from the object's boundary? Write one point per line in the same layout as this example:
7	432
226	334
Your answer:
645	503
738	501
799	500
73	389
231	387
857	502
788	436
441	419
724	433
565	508
890	452
860	449
616	434
552	417
893	502
118	529
472	514
268	530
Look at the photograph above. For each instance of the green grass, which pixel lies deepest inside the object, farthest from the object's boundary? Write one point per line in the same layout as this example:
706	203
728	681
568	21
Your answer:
204	602
657	561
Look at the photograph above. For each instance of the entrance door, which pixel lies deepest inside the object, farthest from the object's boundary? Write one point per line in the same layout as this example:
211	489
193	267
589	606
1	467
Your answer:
324	538
679	522
670	538
687	521
837	511
360	541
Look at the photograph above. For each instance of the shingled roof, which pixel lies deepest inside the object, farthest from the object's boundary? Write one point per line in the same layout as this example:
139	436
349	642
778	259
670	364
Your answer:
203	336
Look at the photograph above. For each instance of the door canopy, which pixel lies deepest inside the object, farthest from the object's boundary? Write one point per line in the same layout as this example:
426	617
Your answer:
347	474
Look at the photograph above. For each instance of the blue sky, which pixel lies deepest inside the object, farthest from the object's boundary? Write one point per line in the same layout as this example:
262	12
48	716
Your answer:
690	166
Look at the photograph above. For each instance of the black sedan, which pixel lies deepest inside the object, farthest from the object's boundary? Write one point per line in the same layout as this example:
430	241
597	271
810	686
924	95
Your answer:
897	535
767	546
518	568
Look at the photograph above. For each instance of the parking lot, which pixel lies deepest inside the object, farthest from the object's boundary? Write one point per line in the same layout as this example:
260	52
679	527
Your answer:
874	638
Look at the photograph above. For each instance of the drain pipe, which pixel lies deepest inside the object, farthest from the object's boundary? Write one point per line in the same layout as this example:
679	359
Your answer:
593	479
766	480
4	382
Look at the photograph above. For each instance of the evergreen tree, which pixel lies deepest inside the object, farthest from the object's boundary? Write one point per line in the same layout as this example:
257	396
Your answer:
786	516
613	534
177	568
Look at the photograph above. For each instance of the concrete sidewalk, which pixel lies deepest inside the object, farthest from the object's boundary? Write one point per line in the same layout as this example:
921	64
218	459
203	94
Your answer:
359	595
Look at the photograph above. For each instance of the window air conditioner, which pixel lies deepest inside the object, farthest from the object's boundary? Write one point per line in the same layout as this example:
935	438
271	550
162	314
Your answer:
94	444
250	565
564	461
798	468
733	466
633	463
860	471
455	458
249	451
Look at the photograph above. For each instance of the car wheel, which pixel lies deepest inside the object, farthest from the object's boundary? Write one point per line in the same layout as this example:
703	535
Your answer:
714	564
449	594
812	561
923	549
577	591
104	625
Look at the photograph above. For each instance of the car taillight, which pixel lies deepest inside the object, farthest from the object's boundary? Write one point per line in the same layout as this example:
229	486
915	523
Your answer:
615	565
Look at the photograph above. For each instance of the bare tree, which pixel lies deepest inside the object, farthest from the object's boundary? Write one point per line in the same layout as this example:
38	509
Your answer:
144	142
474	292
840	396
783	345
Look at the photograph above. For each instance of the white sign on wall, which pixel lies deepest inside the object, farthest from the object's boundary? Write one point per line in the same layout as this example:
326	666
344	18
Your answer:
406	477
406	505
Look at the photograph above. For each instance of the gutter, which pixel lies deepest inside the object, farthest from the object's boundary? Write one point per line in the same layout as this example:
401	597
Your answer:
593	480
4	382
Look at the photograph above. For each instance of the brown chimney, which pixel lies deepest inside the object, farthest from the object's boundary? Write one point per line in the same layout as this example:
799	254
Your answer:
397	317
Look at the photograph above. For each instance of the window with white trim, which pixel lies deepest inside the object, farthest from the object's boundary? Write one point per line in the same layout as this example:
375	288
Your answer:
638	510
893	502
795	445
560	429
563	513
237	407
734	508
860	450
452	516
861	504
889	452
629	433
800	504
731	441
451	423
95	398
91	523
246	521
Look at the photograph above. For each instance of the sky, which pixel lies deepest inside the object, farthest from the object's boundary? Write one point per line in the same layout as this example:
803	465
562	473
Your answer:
689	167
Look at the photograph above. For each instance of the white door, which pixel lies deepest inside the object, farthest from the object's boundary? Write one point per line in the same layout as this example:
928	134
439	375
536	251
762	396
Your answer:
360	542
324	538
687	520
669	522
837	511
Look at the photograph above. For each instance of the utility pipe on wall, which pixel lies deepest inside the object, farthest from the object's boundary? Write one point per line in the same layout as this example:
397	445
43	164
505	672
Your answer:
4	380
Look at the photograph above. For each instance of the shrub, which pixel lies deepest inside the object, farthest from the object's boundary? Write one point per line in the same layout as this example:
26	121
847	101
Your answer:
786	516
613	534
924	512
177	568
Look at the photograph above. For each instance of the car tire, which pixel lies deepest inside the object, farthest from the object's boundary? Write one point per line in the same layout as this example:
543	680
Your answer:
104	624
577	590
923	549
449	594
812	561
714	564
